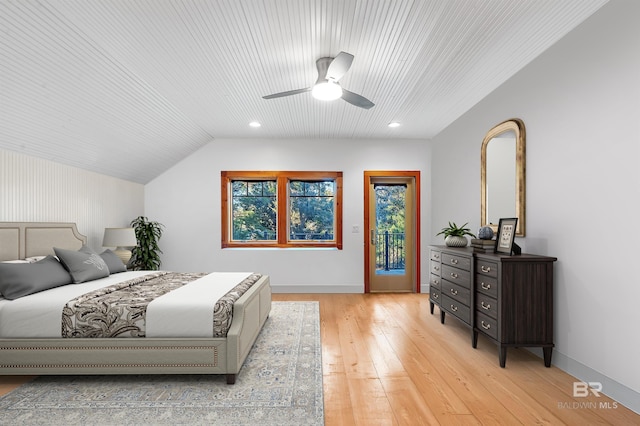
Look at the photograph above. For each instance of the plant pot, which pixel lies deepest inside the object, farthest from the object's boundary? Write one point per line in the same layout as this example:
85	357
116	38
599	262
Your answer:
456	241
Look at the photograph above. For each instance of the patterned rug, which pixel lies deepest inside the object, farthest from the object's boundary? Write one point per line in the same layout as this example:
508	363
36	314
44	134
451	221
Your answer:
280	383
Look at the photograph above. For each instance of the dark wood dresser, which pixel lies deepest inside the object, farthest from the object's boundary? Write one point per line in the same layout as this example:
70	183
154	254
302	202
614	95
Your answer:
509	298
451	276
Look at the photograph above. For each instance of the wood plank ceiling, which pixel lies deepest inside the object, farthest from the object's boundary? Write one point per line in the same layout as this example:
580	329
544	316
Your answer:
127	88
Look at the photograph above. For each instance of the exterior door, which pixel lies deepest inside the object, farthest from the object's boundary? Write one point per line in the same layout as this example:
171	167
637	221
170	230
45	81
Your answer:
391	242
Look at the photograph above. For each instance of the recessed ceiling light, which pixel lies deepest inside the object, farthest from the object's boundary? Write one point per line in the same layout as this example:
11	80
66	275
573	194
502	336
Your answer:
393	124
255	124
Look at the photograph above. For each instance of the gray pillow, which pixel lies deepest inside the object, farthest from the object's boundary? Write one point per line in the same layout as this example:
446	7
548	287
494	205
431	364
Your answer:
18	280
113	262
83	265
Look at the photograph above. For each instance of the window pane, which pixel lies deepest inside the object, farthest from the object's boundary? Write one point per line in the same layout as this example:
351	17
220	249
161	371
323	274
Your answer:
254	211
311	216
239	187
326	188
296	188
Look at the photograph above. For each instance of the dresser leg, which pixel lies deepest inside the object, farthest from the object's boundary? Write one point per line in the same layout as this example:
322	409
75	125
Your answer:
474	339
431	307
547	356
502	356
441	316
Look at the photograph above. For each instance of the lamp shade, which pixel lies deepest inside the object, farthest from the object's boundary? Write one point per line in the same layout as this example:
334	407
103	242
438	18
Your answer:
119	237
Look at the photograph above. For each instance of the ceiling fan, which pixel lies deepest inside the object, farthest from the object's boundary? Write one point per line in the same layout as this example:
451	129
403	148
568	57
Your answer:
327	88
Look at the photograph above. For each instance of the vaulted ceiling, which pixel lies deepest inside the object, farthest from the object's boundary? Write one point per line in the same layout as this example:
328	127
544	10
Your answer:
127	88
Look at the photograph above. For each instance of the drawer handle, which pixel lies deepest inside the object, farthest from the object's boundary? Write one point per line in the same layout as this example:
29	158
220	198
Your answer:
453	275
485	325
453	291
454	261
485	269
436	295
485	286
436	256
436	268
485	306
454	308
436	282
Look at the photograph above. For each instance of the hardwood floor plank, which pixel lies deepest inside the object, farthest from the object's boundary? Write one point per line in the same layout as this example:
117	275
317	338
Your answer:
370	403
338	408
407	402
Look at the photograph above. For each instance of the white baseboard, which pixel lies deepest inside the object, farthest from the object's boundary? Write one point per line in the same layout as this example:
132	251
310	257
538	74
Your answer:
359	289
351	288
613	389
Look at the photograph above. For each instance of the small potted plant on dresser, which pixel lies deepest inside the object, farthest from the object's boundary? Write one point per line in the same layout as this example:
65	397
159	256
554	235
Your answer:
455	236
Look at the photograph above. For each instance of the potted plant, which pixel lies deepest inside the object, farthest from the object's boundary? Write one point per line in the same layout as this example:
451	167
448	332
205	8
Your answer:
454	235
146	255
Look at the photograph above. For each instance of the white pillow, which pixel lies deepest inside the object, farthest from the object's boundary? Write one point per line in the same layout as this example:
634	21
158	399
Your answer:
16	261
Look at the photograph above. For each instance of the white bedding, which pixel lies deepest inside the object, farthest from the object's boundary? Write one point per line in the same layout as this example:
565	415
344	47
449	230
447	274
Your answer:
188	310
39	315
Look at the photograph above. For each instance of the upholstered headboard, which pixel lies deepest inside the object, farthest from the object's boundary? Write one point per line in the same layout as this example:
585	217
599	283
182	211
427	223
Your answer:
19	240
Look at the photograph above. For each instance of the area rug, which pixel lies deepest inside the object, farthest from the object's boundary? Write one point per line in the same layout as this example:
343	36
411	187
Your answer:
280	383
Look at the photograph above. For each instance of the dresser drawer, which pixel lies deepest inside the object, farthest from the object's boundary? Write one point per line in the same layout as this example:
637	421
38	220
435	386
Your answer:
435	255
487	285
487	325
459	293
434	267
486	305
434	296
456	308
456	261
434	281
457	276
486	267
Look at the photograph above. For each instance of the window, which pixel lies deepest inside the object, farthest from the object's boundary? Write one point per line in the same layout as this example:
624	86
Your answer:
281	209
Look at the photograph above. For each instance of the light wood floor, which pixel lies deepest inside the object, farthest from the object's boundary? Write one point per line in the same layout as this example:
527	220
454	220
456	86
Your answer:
387	361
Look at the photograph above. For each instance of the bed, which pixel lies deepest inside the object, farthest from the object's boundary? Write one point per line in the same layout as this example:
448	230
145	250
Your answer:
132	355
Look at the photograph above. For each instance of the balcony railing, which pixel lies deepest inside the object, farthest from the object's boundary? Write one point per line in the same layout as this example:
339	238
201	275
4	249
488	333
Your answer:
390	253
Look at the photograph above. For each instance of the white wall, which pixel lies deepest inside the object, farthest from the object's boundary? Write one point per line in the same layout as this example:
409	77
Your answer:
186	199
580	102
36	190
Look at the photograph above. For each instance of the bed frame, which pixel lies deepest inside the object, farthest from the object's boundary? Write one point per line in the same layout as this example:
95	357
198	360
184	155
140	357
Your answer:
19	240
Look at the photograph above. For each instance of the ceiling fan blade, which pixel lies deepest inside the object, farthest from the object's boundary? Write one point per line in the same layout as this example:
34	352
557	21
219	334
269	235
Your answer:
288	93
339	66
357	100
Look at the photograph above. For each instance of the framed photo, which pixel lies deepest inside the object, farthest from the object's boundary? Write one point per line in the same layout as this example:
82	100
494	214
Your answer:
506	234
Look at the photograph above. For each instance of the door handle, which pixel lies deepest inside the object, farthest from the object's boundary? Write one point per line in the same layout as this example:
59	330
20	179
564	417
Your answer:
373	241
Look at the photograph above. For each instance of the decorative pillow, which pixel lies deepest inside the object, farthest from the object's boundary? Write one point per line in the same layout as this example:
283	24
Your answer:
83	265
18	280
113	262
34	259
16	261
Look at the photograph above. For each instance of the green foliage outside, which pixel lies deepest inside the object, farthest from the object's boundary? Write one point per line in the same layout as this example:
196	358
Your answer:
254	210
311	210
390	226
390	208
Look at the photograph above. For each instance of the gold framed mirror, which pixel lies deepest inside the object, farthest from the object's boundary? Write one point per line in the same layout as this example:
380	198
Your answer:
502	175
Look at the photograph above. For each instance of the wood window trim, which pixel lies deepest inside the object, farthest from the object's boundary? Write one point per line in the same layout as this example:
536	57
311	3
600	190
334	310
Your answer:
282	177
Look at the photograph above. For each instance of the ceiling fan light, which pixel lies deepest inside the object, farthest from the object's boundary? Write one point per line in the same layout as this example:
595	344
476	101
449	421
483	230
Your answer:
326	91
